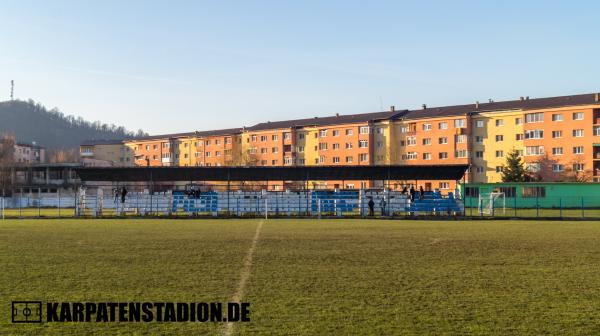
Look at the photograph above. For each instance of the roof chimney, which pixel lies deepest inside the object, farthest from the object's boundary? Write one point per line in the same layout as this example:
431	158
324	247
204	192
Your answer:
477	104
392	108
424	106
597	97
337	114
490	100
521	98
527	98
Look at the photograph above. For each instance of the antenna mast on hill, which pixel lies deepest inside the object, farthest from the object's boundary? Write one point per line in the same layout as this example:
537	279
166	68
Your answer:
12	89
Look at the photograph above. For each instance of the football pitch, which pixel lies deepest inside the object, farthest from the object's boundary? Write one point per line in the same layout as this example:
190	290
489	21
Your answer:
311	277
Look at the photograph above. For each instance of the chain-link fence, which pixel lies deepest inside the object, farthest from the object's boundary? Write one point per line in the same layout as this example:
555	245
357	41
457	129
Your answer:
100	202
534	207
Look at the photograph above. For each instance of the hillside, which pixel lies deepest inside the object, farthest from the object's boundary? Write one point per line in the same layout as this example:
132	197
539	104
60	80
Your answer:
30	121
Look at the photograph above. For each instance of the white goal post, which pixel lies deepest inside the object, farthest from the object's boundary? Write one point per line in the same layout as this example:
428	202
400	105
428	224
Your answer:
489	203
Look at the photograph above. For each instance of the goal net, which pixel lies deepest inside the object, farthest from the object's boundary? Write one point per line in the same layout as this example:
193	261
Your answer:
491	203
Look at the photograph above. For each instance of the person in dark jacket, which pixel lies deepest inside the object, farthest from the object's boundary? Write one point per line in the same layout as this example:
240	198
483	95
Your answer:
123	194
371	207
412	194
421	192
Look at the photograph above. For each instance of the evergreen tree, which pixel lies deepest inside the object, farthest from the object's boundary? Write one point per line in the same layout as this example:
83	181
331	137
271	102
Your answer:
513	170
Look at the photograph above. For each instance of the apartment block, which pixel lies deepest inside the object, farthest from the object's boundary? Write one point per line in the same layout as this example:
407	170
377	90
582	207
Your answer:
557	137
106	153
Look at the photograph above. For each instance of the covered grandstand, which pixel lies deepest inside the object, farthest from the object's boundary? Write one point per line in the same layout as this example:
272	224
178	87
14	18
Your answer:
244	191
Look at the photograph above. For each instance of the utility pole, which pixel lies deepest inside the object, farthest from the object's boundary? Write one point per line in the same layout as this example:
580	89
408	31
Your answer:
12	89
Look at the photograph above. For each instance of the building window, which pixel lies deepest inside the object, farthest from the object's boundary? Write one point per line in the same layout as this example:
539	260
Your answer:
499	138
443	140
460	123
444	185
557	117
273	162
533	167
472	191
348	145
336	146
479	154
578	133
427	141
411	141
301	136
363	157
264	150
349	159
426	156
410	156
217	153
274	137
518	121
499	122
519	137
302	162
323	133
364	130
253	137
479	123
287	160
534	117
480	170
534	150
300	149
578	116
336	159
443	155
363	144
557	134
461	153
287	136
460	138
557	151
274	149
533	192
498	169
499	153
379	130
557	168
336	132
578	150
578	167
534	134
426	127
509	192
349	132
322	146
443	125
478	139
596	130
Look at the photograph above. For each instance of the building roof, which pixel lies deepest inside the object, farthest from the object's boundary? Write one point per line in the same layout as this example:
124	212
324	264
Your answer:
524	104
301	173
93	142
323	121
30	145
227	131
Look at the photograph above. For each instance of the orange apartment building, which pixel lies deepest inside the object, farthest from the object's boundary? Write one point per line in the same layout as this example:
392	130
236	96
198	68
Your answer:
558	137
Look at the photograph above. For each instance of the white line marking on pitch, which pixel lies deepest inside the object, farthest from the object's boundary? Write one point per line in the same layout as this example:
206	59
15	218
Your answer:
245	274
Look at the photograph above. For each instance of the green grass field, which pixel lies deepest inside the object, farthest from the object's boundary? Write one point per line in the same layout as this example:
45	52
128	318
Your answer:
308	277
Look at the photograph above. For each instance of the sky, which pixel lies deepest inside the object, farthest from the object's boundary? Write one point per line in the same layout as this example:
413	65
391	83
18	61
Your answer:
179	66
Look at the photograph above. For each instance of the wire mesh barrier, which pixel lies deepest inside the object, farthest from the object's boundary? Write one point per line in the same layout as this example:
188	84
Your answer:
491	206
95	202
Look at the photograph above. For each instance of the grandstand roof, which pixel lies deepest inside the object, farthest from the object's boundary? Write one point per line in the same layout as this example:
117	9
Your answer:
156	174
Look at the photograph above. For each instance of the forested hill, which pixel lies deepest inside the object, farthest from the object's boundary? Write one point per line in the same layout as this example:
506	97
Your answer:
30	121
